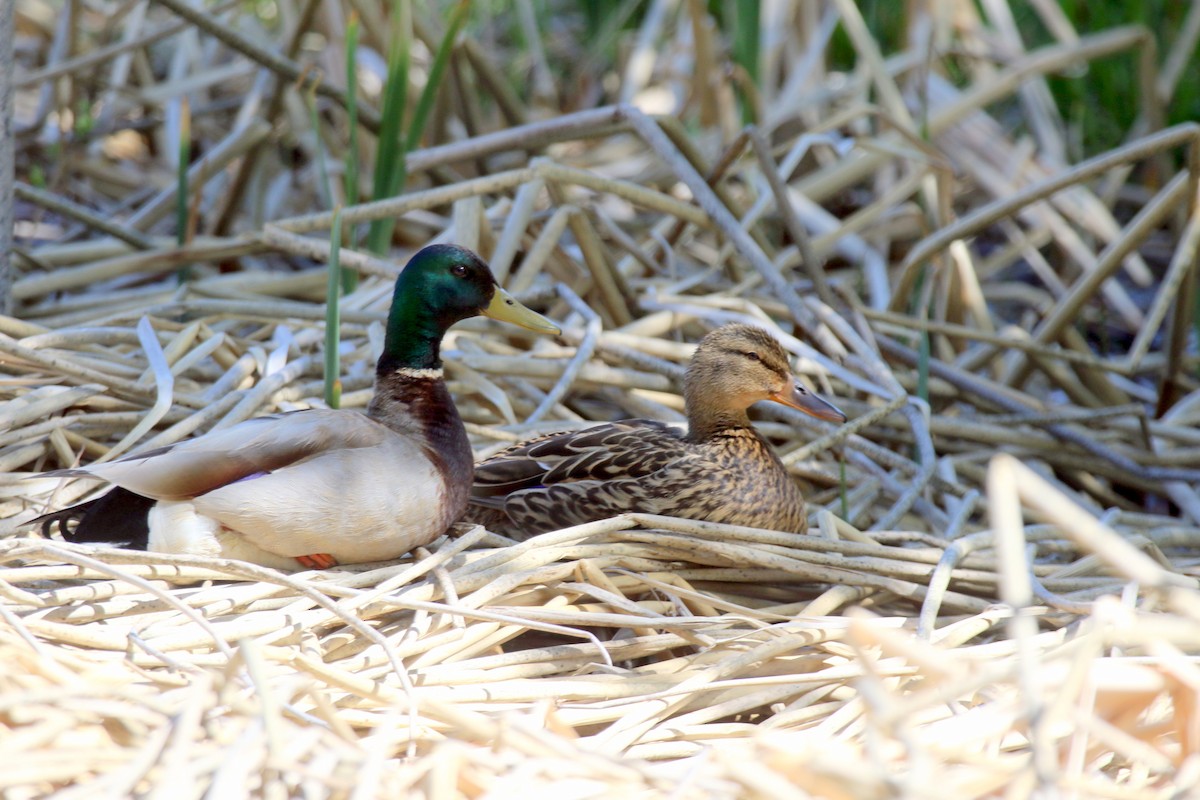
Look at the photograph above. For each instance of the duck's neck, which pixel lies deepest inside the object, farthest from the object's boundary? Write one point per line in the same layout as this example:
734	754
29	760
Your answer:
413	341
409	390
705	422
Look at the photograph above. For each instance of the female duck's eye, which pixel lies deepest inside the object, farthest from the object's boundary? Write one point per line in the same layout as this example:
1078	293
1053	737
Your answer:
459	270
753	356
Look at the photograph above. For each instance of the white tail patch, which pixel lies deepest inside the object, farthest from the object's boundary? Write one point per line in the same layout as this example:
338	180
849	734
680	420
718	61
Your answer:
177	528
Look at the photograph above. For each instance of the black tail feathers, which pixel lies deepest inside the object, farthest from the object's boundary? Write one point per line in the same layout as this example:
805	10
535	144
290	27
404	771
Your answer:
119	517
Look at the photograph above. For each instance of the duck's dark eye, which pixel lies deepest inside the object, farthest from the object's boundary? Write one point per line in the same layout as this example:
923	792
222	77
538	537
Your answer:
459	270
753	356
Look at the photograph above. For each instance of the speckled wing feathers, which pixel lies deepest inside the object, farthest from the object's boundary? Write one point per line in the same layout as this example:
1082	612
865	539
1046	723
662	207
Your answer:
613	450
636	466
563	504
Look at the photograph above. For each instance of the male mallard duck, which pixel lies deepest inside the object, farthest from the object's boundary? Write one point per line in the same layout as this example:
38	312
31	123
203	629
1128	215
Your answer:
720	470
320	487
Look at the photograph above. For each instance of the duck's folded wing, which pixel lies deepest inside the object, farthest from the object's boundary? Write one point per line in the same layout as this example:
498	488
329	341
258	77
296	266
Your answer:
663	491
614	450
362	504
254	447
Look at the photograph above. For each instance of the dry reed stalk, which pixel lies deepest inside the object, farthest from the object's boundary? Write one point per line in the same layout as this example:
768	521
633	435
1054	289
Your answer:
994	595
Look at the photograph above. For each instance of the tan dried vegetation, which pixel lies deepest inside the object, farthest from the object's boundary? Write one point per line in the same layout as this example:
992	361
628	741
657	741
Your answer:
998	596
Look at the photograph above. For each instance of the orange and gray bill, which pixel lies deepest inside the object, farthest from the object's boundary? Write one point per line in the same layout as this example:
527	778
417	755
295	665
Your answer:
802	399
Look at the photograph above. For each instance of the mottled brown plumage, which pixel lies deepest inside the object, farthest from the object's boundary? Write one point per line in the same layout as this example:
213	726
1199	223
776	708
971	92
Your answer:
720	470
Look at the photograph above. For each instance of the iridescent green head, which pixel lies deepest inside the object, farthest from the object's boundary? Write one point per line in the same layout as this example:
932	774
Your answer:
441	285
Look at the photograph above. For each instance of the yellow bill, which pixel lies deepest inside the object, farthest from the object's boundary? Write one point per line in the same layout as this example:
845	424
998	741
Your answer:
505	308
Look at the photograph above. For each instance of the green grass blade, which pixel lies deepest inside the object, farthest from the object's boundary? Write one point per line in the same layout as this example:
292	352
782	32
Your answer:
395	96
350	277
923	351
1196	316
441	59
333	315
744	18
843	491
393	161
923	365
604	25
324	185
184	273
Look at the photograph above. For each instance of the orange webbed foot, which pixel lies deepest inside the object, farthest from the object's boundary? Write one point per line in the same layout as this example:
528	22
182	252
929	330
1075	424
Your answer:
317	561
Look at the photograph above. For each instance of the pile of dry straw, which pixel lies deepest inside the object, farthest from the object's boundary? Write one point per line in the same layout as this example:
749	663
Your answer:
999	592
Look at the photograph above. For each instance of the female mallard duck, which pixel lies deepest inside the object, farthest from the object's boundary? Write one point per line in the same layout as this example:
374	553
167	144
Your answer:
320	487
721	470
